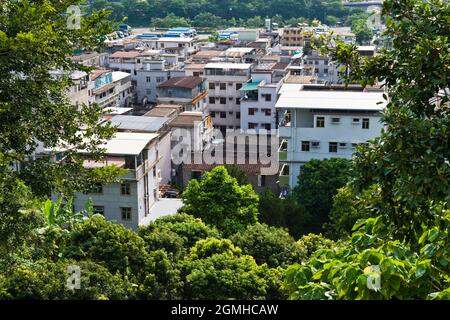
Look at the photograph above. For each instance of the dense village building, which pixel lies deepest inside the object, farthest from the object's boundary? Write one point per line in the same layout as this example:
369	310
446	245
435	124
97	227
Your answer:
225	81
319	123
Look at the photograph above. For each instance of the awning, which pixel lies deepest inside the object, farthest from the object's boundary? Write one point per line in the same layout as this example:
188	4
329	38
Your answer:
250	86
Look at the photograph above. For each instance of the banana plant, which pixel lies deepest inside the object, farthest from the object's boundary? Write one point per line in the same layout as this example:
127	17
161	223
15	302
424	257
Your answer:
58	215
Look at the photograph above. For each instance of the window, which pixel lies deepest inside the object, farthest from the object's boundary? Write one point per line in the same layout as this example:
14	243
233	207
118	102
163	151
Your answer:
213	114
325	71
223	115
320	122
238	115
306	146
335	120
267	112
333	147
238	86
267	97
125	189
159	79
223	86
148	79
148	91
97	188
238	101
251	125
212	86
356	120
212	100
267	126
251	111
126	213
99	210
366	123
223	100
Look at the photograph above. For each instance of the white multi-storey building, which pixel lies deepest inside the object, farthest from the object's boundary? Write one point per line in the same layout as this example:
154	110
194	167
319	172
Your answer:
225	81
321	124
134	200
259	97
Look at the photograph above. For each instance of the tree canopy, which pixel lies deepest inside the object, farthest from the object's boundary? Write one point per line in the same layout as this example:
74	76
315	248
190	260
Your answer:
219	200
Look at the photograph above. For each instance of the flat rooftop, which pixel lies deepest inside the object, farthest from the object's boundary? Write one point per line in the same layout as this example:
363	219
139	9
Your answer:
228	65
138	123
128	143
292	96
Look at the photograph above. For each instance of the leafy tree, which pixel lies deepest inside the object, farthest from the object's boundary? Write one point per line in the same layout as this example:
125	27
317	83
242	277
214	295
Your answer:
110	244
237	173
318	182
376	267
34	104
311	243
220	201
348	208
176	234
207	20
284	213
170	21
362	31
216	269
48	280
162	280
269	245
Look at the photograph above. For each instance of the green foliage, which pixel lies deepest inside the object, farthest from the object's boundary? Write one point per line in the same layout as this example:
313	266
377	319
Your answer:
237	173
110	244
215	269
139	13
19	214
163	280
311	243
48	280
318	182
284	213
220	201
348	208
176	234
269	245
353	271
362	31
34	42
